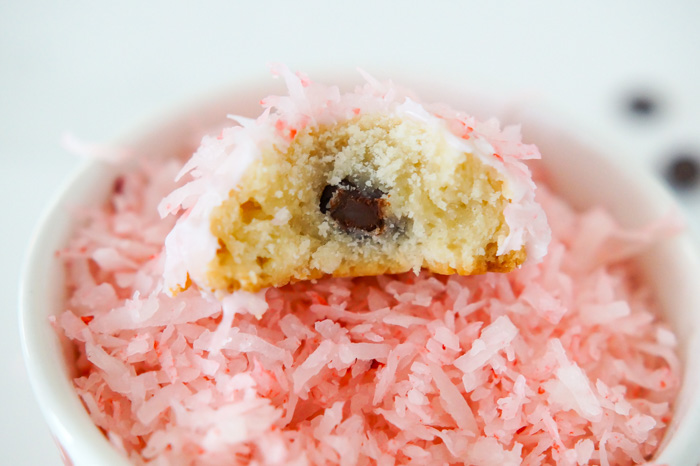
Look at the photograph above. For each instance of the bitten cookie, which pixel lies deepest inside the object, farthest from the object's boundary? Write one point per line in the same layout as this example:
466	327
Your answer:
364	183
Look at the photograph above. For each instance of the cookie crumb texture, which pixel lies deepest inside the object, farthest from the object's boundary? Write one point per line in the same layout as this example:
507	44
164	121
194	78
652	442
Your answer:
374	195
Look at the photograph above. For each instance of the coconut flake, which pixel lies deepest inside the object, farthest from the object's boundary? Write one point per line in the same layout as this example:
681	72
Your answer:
494	338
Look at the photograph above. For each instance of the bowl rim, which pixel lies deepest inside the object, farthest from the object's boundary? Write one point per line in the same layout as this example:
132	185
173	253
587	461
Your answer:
81	440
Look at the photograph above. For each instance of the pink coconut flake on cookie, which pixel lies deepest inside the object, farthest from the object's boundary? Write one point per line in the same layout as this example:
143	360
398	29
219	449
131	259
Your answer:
563	360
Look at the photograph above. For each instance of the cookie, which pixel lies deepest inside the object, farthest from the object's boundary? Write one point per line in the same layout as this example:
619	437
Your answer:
364	183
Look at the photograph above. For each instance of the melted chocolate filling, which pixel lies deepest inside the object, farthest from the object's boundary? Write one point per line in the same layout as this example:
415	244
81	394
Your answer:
353	209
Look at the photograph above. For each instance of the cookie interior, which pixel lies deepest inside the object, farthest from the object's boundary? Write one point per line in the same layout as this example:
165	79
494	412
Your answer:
377	194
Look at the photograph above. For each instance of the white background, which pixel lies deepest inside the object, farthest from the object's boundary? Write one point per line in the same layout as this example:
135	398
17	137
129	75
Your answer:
103	70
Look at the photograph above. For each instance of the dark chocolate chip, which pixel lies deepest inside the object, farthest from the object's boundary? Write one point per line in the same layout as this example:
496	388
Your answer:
353	209
684	171
374	193
354	212
326	196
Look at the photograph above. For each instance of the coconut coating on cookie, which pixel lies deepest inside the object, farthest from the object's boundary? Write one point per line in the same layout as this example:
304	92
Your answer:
357	183
377	194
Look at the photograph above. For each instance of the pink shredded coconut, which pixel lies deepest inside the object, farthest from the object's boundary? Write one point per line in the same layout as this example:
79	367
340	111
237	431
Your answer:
563	361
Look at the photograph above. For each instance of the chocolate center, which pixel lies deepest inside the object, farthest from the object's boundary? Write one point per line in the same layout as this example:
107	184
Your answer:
353	209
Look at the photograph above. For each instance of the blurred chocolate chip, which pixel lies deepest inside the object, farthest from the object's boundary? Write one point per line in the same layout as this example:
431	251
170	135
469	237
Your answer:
683	172
354	209
642	105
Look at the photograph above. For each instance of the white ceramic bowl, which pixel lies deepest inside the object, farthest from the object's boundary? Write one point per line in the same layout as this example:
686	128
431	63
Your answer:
584	174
